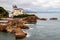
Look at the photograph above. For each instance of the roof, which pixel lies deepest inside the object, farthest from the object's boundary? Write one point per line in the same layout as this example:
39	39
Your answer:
14	6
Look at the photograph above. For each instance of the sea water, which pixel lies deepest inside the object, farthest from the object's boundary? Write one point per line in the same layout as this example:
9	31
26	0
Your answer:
42	30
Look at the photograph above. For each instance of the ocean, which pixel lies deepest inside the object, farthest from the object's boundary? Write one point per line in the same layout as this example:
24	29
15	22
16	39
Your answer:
42	30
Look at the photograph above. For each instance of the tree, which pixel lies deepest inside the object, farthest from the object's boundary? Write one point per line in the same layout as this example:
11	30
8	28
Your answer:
3	13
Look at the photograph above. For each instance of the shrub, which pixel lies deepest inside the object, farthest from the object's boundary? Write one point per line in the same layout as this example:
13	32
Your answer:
3	13
23	15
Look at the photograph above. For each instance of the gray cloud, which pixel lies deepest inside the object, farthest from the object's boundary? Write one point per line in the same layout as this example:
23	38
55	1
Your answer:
30	4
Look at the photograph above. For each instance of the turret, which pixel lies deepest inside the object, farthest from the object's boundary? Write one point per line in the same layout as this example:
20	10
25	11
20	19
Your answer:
14	6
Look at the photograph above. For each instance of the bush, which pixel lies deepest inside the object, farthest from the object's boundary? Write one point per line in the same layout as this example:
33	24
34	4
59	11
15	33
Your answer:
23	15
0	19
3	13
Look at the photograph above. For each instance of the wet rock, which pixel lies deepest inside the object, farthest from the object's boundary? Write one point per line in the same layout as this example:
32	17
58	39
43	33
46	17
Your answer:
19	33
24	27
43	18
53	18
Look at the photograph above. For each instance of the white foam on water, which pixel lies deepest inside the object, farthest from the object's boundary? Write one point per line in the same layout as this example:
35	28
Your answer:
28	35
31	28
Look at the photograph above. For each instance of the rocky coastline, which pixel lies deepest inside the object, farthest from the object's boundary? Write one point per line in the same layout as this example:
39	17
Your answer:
15	25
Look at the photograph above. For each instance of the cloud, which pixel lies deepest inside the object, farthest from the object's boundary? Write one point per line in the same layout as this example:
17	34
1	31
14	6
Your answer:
7	4
47	3
30	4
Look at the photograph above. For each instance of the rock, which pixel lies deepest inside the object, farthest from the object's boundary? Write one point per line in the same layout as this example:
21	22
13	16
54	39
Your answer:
17	29
53	18
22	26
9	29
30	19
3	27
11	22
19	33
43	18
21	21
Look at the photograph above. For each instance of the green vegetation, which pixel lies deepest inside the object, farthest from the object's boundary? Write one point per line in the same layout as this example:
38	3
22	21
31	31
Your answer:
0	19
23	15
3	13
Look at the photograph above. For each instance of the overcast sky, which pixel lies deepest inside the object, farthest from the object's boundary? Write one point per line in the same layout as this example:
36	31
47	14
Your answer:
31	4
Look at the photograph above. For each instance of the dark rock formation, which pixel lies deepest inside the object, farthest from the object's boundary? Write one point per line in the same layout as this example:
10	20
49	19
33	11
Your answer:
27	18
43	18
31	19
19	33
15	25
53	18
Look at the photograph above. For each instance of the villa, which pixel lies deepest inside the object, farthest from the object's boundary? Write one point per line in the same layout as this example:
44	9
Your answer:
16	11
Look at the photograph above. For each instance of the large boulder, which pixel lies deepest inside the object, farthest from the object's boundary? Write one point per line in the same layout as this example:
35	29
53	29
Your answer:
19	33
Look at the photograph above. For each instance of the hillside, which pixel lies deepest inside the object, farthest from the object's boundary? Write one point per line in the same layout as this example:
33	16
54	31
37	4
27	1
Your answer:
3	13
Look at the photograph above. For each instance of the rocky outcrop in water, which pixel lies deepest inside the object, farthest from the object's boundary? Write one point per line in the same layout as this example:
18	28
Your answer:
15	25
17	31
16	28
31	19
43	18
53	18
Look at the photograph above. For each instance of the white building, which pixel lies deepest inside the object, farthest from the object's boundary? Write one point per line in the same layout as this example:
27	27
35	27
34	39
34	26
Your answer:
17	11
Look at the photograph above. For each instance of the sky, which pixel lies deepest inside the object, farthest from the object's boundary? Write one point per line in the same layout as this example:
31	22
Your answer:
32	4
